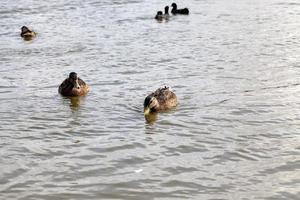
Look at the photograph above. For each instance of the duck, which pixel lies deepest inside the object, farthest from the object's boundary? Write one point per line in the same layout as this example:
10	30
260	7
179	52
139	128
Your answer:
166	15
73	86
159	16
26	33
174	11
162	99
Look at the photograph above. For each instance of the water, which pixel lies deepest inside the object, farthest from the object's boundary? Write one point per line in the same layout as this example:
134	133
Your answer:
234	66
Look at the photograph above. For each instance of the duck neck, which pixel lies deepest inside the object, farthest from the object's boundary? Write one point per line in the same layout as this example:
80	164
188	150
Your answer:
166	11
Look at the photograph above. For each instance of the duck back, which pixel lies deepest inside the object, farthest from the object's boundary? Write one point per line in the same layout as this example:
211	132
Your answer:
184	11
166	98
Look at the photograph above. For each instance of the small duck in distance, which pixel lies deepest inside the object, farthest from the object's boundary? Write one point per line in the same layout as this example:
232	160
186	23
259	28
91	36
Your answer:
174	11
73	86
166	15
161	100
26	33
159	16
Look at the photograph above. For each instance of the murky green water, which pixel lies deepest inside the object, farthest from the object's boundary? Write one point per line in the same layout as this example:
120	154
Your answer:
234	66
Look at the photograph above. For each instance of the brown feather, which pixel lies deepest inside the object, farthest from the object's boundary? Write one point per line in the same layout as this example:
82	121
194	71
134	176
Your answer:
166	98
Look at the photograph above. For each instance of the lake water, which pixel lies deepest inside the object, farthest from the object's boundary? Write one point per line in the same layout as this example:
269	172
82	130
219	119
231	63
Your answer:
234	65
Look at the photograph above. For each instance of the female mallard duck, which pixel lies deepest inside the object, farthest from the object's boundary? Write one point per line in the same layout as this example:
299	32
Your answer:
27	34
174	11
73	86
160	100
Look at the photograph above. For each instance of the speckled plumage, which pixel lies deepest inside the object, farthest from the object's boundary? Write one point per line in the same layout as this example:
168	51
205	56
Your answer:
165	97
174	11
27	34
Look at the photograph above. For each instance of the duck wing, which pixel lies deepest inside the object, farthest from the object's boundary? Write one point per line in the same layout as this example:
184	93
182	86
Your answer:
65	86
165	97
81	82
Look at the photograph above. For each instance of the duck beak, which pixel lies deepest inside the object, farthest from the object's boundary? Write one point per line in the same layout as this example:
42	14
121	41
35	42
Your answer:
146	111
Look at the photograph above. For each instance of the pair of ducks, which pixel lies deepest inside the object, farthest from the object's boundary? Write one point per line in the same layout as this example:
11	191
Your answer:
160	16
160	100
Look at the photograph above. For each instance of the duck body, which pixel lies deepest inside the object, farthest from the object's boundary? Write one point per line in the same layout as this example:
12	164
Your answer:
73	86
26	33
161	100
166	15
174	11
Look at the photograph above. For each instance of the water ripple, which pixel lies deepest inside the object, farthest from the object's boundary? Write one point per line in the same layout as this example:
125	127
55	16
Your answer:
233	65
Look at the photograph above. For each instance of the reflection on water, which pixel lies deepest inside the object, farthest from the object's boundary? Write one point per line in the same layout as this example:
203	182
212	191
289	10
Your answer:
73	102
234	66
151	118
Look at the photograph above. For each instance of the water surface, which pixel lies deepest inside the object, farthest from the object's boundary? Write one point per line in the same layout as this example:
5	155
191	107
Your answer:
234	66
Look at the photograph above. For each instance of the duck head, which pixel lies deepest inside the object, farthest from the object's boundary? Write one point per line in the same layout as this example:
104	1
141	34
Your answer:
174	5
150	105
24	29
159	15
73	78
166	10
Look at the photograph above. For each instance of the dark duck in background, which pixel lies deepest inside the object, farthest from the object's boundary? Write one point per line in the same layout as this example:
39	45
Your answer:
174	11
166	15
159	16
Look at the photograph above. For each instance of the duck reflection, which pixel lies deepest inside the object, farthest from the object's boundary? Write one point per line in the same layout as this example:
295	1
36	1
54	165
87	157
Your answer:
75	102
151	118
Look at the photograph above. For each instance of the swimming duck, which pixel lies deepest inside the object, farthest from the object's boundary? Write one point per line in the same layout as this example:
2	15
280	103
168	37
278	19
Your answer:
27	34
159	16
166	15
174	11
73	86
160	100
